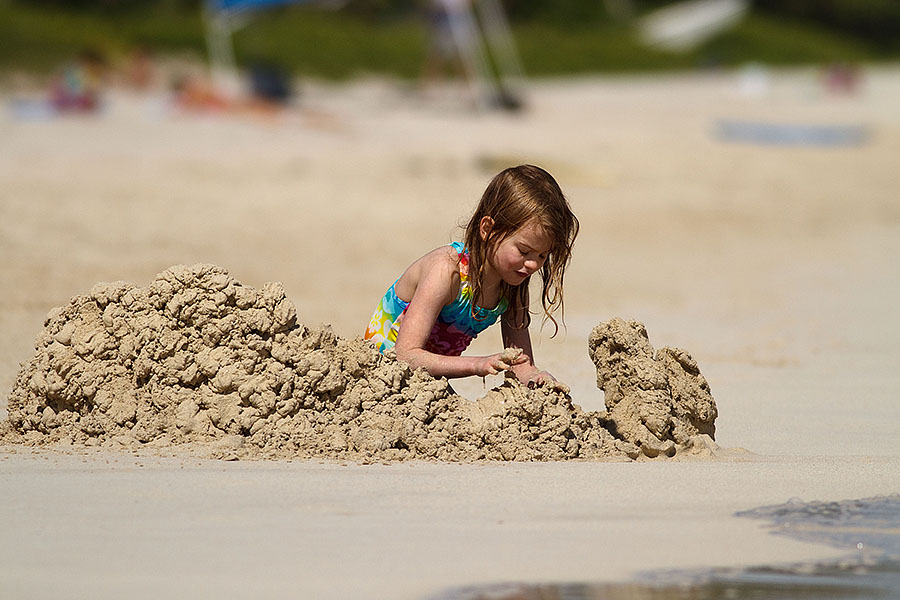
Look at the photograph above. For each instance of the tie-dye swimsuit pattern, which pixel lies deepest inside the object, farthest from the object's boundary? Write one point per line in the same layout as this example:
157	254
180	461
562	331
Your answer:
455	327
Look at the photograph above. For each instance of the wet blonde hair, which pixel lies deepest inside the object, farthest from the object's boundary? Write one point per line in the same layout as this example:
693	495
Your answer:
515	197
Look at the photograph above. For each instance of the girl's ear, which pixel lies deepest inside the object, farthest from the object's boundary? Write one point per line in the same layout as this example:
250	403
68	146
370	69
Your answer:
485	227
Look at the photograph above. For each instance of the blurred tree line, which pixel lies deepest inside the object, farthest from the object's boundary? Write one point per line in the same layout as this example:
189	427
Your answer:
554	36
876	19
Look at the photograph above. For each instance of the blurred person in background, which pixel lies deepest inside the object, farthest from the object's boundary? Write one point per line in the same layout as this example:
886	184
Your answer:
140	71
79	87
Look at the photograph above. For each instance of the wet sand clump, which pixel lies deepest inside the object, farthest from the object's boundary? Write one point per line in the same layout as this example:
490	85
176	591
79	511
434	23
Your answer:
198	358
657	400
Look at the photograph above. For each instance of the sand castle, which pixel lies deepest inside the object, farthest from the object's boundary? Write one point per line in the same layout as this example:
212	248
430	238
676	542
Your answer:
196	357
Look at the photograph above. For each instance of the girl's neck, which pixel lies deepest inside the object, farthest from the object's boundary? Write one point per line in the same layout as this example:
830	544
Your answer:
490	288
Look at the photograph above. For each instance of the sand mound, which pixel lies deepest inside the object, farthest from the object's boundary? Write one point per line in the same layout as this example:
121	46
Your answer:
197	357
655	400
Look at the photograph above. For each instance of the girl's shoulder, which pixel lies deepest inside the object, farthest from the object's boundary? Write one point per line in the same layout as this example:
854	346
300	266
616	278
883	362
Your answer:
444	260
440	267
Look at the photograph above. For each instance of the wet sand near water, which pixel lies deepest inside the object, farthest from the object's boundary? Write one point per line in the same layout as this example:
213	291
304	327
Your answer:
864	528
774	266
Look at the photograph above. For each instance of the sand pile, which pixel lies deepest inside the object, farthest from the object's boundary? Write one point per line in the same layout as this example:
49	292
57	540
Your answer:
655	400
197	357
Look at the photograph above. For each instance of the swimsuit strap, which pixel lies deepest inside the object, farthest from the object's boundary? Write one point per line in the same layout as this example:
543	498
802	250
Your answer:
461	308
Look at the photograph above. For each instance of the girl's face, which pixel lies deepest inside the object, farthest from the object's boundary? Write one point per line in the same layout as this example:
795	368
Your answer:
521	254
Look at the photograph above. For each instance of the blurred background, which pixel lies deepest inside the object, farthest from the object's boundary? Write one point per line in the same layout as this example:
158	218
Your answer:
343	38
733	165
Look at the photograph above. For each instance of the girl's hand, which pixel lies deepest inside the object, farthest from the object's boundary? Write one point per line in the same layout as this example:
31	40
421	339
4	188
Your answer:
545	378
502	361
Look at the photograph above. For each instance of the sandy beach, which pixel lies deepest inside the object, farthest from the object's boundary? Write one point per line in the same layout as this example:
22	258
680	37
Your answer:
775	264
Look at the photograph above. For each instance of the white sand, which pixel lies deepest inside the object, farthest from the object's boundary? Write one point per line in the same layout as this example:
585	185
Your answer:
776	267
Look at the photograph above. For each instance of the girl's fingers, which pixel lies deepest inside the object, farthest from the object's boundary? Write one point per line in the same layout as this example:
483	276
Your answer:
501	363
544	378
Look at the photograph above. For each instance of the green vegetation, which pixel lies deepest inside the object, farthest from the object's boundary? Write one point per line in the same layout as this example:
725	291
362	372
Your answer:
331	44
39	39
388	37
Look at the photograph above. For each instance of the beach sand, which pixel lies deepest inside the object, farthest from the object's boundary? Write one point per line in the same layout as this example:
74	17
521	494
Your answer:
776	266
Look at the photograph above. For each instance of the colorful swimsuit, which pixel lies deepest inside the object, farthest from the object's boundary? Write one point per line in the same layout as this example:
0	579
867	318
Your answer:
455	327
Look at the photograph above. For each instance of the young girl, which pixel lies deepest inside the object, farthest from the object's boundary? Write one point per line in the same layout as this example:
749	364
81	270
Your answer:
522	225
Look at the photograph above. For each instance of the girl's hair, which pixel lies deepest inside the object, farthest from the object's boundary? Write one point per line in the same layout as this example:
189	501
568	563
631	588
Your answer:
515	197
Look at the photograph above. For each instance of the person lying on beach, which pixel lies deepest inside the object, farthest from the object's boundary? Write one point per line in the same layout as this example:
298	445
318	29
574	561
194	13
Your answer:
79	87
522	225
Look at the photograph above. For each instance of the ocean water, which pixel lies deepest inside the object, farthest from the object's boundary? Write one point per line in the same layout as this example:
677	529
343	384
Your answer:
868	528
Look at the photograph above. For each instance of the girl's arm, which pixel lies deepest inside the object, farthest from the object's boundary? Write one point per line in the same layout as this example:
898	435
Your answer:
519	338
437	286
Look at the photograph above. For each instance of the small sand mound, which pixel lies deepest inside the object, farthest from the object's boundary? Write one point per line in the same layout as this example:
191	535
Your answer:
655	400
196	357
